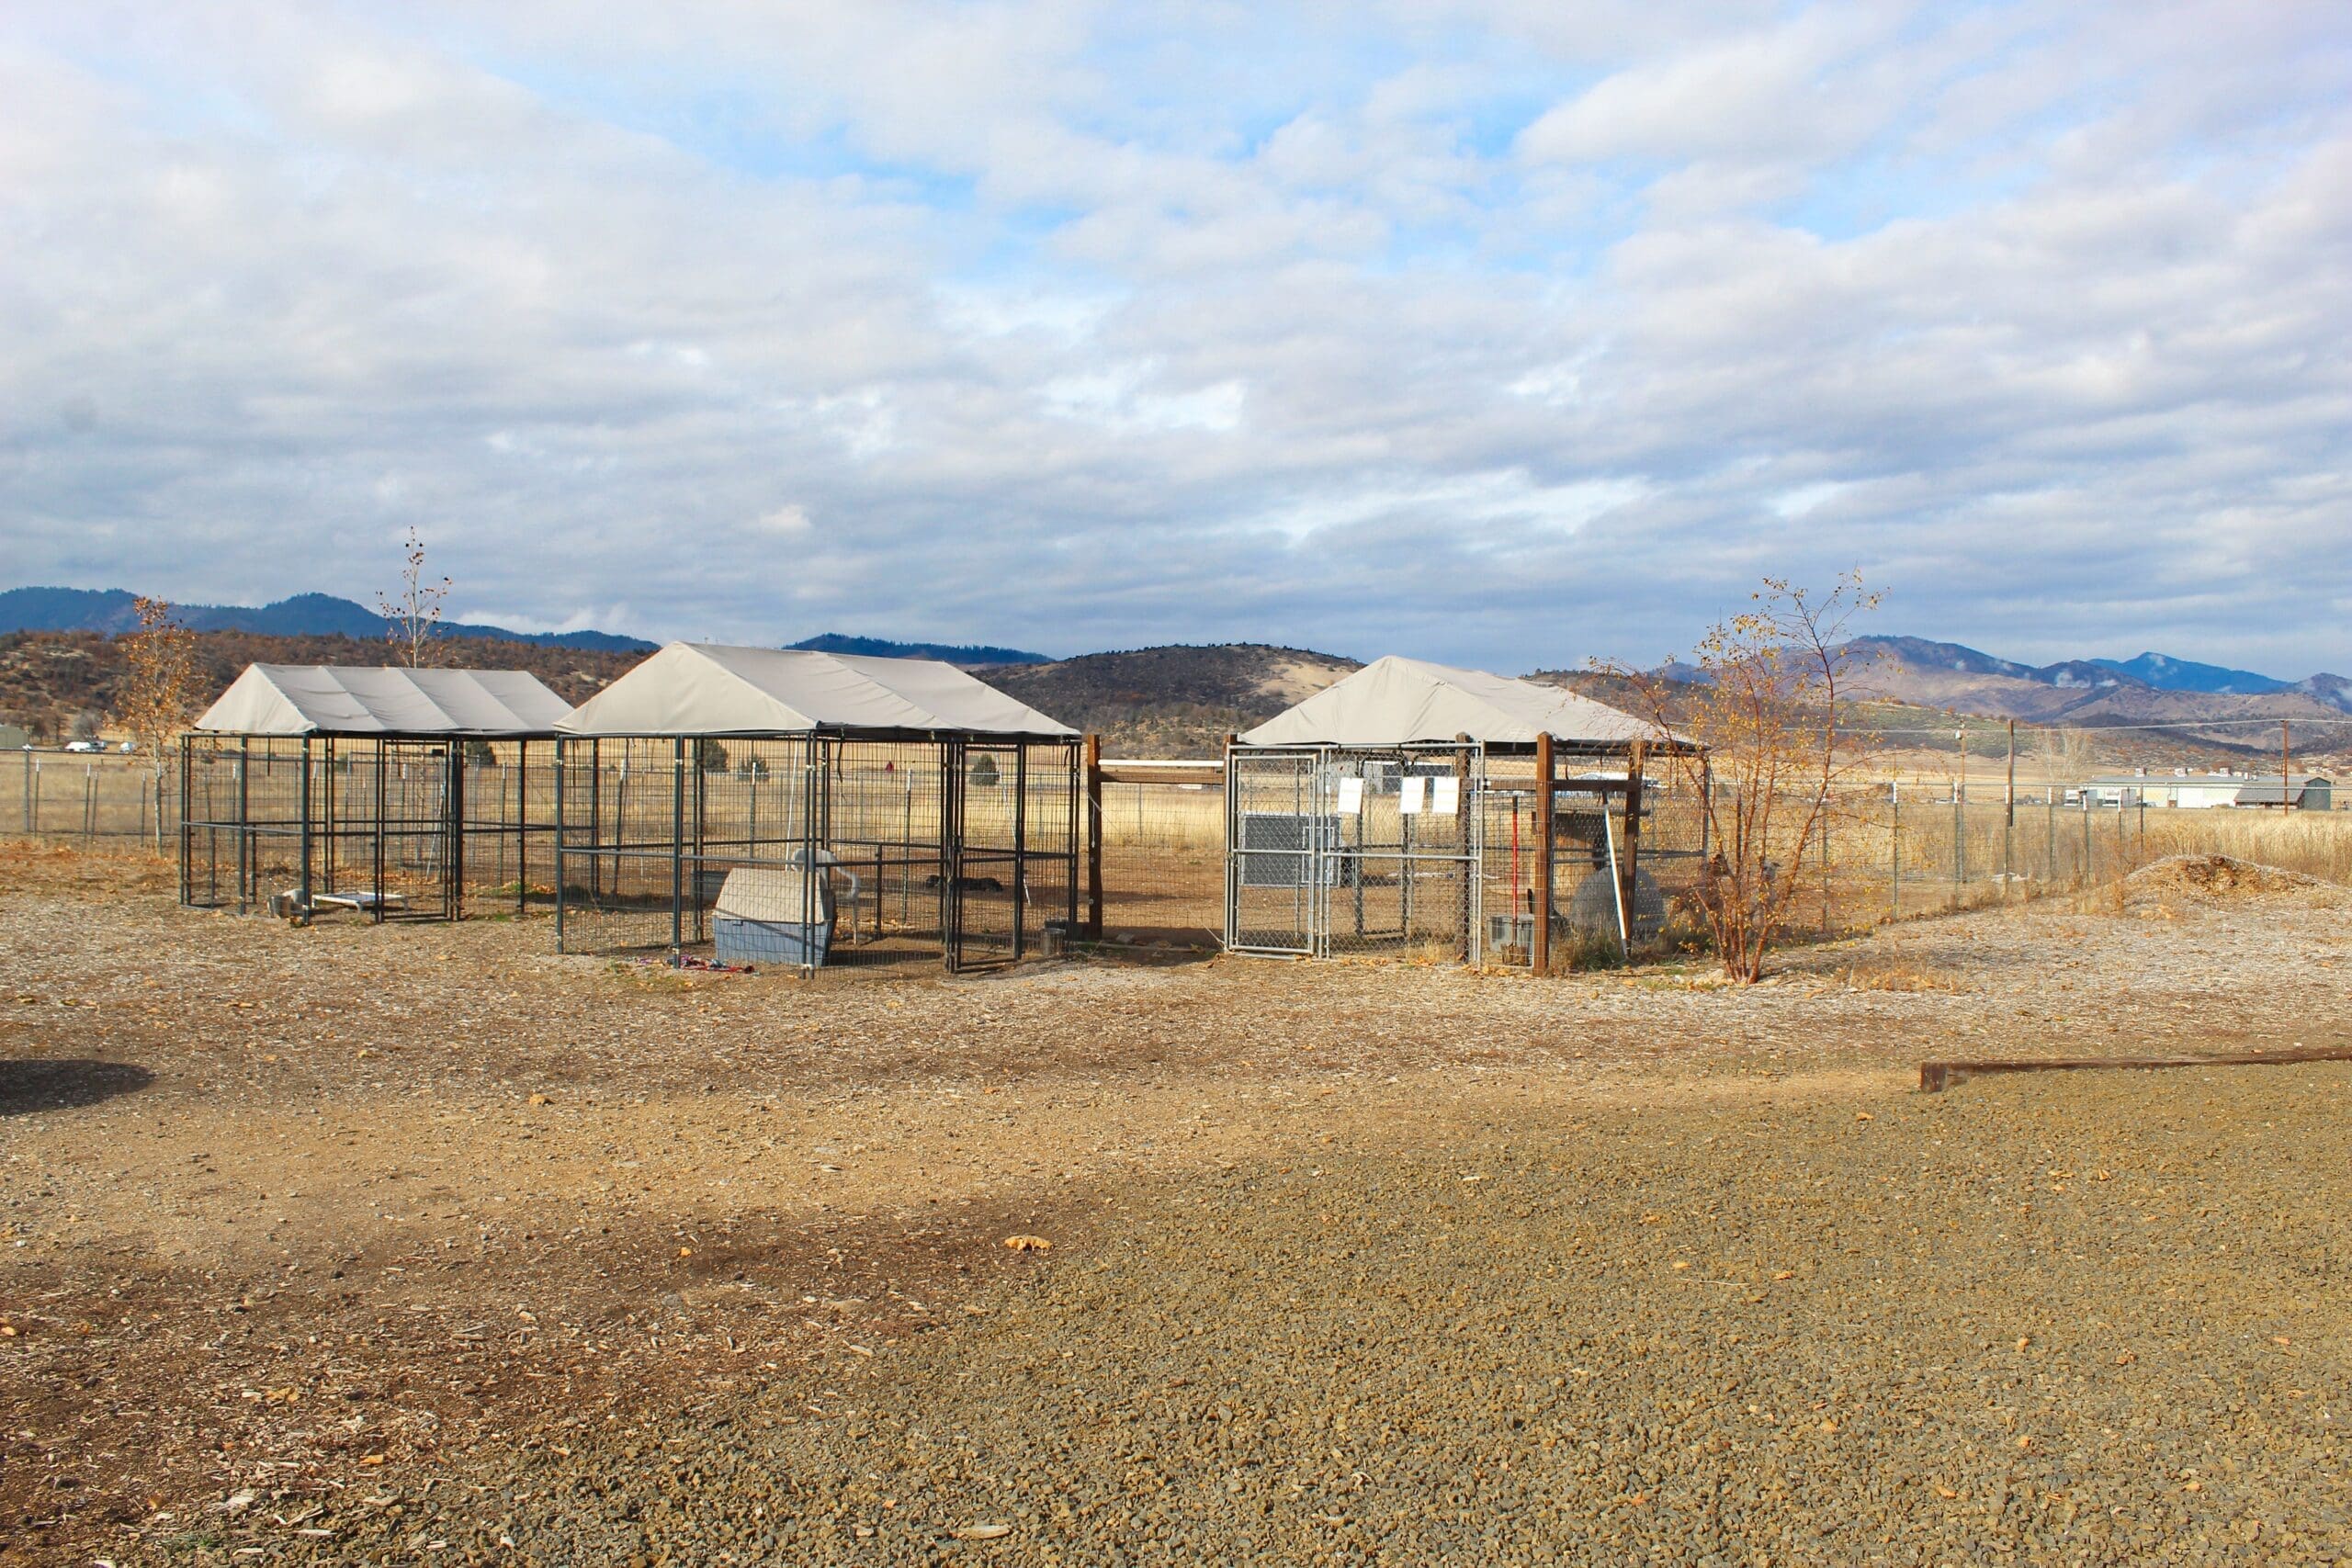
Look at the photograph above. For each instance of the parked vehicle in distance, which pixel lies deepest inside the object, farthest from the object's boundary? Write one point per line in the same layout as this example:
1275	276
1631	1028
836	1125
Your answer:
86	746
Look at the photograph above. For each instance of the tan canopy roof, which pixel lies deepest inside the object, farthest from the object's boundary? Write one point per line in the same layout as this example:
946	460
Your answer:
702	689
1397	702
335	699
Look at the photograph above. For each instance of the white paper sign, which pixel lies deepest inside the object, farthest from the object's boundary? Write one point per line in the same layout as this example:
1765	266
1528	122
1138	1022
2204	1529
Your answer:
1409	794
1446	796
1352	797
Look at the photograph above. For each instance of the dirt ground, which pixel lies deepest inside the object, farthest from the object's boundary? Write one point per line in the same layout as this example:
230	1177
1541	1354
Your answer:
421	1244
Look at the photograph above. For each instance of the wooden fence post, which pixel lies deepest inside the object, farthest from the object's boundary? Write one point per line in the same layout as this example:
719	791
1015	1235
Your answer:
1632	837
1094	838
1538	952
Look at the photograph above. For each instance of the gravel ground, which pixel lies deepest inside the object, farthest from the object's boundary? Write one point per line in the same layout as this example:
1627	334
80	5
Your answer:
2074	1319
330	1243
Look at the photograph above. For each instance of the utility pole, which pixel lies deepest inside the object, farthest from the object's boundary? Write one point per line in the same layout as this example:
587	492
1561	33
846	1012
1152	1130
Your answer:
2286	769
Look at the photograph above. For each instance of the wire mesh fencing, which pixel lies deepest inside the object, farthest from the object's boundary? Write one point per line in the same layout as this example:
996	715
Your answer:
389	828
874	813
818	850
1620	880
1883	851
64	794
1163	855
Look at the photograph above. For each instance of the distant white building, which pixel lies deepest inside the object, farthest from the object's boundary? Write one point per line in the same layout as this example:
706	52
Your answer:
2203	791
2188	791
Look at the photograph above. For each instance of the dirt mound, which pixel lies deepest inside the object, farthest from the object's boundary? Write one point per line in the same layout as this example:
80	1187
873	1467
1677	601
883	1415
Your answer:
2218	877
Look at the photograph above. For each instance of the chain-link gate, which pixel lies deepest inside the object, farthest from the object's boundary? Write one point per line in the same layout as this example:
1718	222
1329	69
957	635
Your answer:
1333	850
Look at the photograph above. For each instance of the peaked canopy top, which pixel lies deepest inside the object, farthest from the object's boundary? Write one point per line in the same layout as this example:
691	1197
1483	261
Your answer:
1400	702
691	688
340	699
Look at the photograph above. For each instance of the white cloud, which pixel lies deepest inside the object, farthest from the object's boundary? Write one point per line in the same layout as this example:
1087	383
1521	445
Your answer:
1805	500
1499	330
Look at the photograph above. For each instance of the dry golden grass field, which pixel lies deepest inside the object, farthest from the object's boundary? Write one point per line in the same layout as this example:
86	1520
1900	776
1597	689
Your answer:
421	1245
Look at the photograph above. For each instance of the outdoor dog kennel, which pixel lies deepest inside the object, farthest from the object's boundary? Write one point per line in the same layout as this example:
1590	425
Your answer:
389	793
810	810
1415	808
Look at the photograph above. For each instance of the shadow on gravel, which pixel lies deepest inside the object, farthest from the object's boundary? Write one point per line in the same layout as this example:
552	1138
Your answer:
29	1086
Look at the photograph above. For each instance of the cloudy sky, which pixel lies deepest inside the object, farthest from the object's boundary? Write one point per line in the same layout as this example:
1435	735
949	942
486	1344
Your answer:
1508	331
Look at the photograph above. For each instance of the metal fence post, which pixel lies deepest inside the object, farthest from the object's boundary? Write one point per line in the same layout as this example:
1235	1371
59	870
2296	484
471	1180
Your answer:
559	836
1093	764
1959	839
1894	841
2087	838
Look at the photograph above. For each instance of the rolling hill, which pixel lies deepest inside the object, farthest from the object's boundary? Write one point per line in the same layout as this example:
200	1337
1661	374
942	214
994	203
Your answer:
1176	700
110	611
971	656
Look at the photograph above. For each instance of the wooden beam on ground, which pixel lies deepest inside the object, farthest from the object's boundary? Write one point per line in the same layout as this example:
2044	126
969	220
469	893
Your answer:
1936	1076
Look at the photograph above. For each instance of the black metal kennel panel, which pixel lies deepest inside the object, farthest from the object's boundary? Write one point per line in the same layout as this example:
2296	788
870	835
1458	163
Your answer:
386	829
1013	890
884	850
800	810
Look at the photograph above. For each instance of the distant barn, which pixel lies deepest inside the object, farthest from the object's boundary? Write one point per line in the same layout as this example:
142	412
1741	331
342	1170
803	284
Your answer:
2301	792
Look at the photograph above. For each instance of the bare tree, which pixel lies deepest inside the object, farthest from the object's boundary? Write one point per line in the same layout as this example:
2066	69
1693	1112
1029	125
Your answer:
2066	754
160	685
1764	708
411	620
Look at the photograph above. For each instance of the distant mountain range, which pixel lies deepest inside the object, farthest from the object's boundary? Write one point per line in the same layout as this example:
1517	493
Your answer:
2152	688
970	655
2186	675
112	612
1175	696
